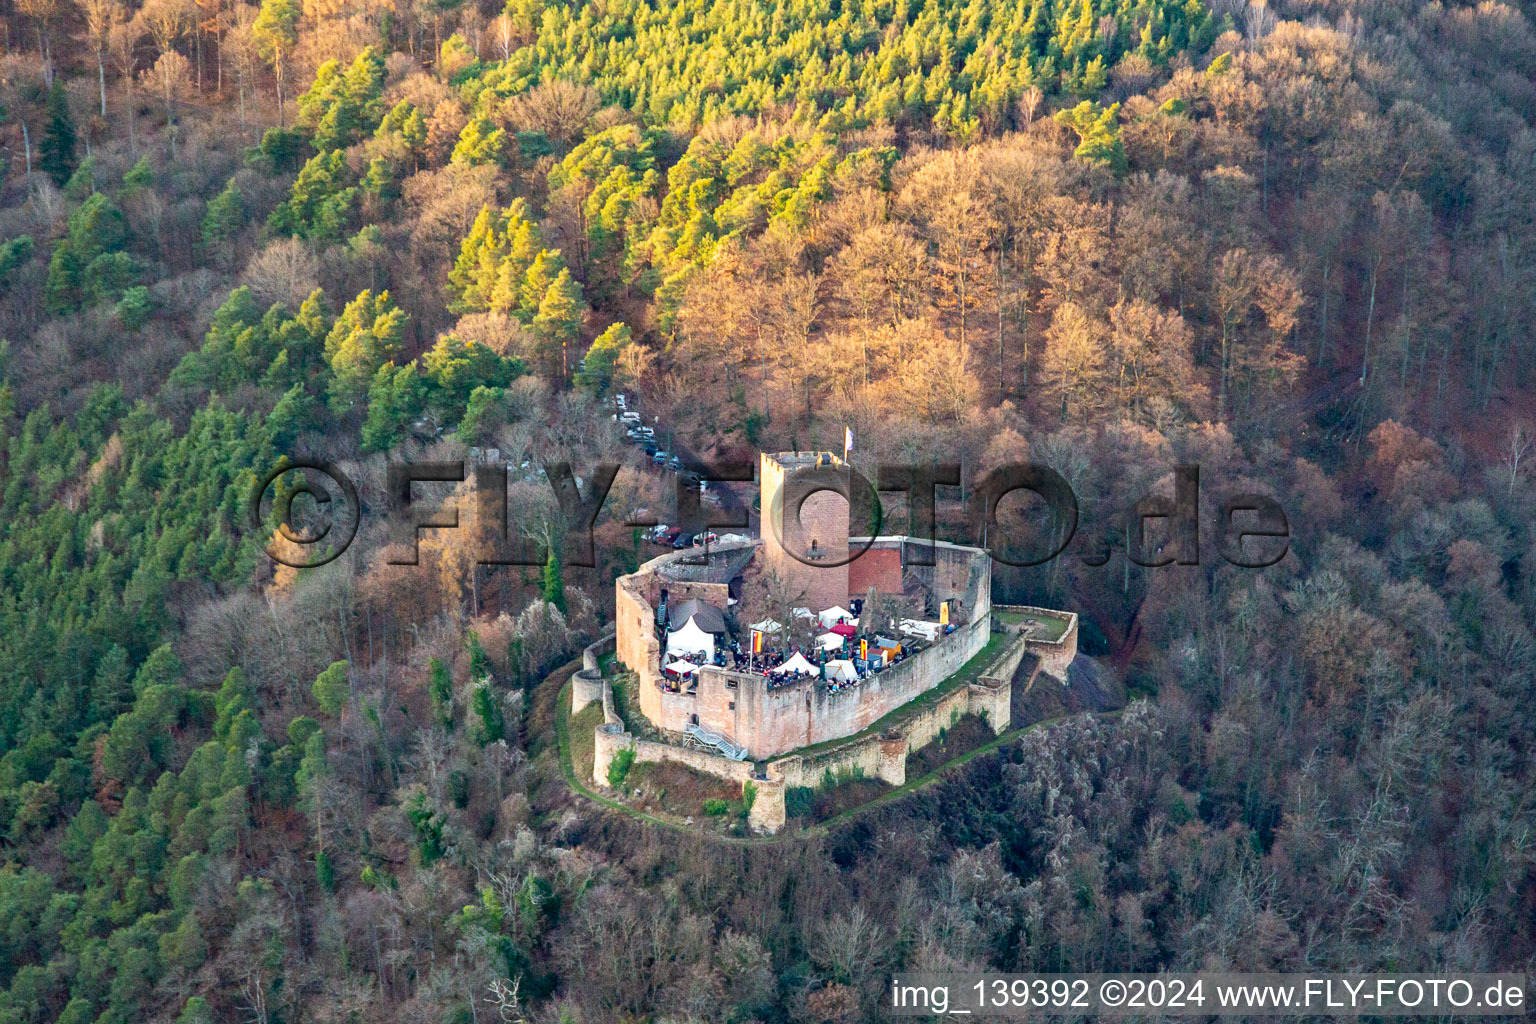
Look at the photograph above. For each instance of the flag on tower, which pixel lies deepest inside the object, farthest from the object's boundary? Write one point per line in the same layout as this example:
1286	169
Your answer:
847	442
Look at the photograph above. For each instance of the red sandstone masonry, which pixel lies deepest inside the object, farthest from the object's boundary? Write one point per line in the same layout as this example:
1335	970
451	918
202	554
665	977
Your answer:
771	722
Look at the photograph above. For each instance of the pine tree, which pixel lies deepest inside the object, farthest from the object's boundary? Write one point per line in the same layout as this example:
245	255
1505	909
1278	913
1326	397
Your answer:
558	323
478	254
331	688
96	228
454	368
481	142
322	202
394	401
542	272
489	724
1098	133
483	413
367	335
223	219
275	33
596	374
57	149
440	687
554	580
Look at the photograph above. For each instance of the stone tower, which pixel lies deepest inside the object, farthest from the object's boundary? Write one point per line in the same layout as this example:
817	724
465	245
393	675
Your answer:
808	552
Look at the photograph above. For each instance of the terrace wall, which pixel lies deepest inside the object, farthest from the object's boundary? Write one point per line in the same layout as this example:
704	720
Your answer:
1055	655
767	812
882	756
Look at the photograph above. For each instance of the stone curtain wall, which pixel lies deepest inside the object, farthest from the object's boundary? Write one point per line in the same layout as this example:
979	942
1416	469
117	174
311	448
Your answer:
772	722
769	722
767	813
636	645
957	573
882	756
1054	655
638	649
587	682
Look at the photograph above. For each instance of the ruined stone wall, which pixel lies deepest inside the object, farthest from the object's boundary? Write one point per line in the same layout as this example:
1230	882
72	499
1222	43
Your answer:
884	756
678	591
587	682
957	574
636	646
767	812
1055	655
769	722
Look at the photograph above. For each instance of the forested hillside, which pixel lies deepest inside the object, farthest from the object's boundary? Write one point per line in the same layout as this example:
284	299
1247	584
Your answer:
1290	242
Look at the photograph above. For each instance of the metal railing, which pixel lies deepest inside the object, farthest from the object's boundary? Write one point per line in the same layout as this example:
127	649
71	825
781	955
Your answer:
719	741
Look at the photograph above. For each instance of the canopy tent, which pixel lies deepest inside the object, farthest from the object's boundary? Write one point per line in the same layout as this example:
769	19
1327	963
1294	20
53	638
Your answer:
804	613
833	615
705	615
830	641
841	671
683	668
691	640
795	664
843	629
767	626
917	627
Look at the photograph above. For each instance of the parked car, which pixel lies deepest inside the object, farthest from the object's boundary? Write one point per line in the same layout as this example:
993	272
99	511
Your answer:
683	540
674	463
659	457
650	447
655	533
619	403
700	539
630	417
645	431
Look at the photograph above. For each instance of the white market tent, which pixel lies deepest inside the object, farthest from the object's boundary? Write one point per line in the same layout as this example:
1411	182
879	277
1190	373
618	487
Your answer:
767	626
831	616
804	613
683	668
841	671
830	641
795	664
691	639
917	627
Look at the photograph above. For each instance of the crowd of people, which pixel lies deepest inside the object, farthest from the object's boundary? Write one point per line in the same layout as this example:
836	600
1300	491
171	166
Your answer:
814	658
